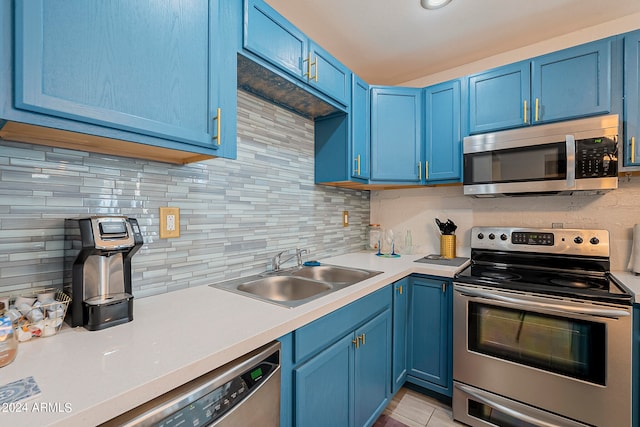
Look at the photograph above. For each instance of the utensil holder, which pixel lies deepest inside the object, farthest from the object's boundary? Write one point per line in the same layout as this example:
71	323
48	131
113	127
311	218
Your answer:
448	245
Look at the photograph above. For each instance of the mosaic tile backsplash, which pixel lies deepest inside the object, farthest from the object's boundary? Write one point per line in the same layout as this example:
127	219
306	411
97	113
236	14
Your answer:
234	214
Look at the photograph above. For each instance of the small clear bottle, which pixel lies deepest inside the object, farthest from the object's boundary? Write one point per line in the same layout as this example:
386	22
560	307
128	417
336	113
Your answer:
374	233
408	243
8	341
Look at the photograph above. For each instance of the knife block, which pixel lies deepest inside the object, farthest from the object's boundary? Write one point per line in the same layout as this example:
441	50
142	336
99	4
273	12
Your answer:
448	246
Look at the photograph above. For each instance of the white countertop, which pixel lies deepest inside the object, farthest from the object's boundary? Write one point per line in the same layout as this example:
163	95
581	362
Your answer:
631	281
87	377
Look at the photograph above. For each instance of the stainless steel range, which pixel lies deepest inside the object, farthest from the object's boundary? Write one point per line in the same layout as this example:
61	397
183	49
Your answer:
542	331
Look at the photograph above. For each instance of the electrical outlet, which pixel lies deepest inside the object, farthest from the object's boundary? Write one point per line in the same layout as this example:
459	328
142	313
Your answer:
169	222
345	218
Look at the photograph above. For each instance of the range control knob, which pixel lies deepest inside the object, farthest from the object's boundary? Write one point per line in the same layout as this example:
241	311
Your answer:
578	240
480	236
492	236
503	236
594	241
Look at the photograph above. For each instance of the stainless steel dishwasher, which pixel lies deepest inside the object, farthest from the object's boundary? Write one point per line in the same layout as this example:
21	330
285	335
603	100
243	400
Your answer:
244	392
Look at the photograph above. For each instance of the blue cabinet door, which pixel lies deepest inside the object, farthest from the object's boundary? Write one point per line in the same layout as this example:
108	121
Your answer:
372	369
443	137
499	98
270	36
360	128
572	83
632	98
400	323
143	67
324	387
396	138
430	329
328	75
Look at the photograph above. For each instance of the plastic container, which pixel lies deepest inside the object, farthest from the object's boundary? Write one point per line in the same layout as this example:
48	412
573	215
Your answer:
8	341
374	233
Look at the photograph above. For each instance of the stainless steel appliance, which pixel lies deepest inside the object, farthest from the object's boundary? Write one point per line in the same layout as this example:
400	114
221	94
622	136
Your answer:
542	331
559	158
98	254
245	392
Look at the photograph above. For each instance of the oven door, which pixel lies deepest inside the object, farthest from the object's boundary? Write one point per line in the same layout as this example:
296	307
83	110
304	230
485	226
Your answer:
570	358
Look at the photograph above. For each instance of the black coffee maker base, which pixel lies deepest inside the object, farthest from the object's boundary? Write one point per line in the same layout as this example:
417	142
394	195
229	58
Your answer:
107	315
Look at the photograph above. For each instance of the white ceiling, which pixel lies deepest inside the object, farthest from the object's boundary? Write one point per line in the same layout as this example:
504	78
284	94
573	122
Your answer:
395	41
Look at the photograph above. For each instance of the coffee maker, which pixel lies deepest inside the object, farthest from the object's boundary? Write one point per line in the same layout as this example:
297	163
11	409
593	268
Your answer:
98	252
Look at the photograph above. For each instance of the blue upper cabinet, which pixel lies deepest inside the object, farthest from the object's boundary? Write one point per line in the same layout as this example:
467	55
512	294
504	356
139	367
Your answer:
271	37
498	98
396	137
570	83
327	74
443	134
148	68
632	98
360	128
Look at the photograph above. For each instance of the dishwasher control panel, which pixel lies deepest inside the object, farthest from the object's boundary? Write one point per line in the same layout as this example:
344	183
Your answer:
243	392
216	403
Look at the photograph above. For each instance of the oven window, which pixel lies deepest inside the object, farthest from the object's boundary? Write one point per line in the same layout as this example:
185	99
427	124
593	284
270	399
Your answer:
531	163
571	347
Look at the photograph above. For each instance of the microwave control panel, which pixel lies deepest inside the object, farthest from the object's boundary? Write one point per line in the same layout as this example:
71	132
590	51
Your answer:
596	157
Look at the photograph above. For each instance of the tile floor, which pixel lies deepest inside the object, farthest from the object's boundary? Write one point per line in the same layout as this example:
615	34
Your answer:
412	409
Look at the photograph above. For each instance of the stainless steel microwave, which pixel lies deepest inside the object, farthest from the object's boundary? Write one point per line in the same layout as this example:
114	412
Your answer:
558	158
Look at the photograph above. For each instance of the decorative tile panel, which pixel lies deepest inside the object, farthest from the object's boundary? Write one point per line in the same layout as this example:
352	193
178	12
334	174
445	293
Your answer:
234	214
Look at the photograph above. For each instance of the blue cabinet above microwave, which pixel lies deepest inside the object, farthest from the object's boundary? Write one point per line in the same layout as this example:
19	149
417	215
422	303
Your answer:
570	83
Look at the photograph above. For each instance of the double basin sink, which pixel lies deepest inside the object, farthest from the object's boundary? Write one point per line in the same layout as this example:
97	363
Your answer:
296	286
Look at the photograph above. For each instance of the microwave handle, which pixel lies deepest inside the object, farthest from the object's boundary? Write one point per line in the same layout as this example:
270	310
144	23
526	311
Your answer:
570	142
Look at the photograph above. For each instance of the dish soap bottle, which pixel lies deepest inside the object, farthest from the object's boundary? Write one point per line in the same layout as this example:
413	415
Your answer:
8	342
408	243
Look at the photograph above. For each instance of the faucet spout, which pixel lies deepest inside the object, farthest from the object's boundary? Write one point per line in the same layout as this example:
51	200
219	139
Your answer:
277	261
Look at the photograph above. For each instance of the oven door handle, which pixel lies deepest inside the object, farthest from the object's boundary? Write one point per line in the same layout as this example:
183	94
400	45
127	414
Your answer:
563	308
509	411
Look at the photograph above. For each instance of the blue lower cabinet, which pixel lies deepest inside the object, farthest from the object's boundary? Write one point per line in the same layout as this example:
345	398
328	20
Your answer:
371	368
430	334
336	370
323	387
400	324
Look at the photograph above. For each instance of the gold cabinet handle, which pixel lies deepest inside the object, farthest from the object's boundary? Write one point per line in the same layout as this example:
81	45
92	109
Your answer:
426	170
400	289
633	149
419	171
357	171
308	62
537	108
217	118
309	65
315	64
361	337
356	342
525	111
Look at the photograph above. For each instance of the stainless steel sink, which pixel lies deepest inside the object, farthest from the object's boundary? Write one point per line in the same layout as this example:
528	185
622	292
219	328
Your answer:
296	286
333	274
284	288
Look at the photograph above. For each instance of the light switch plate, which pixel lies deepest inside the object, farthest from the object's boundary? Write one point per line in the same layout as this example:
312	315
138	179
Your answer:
169	222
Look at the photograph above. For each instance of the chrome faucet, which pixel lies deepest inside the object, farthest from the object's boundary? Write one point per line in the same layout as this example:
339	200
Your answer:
277	261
